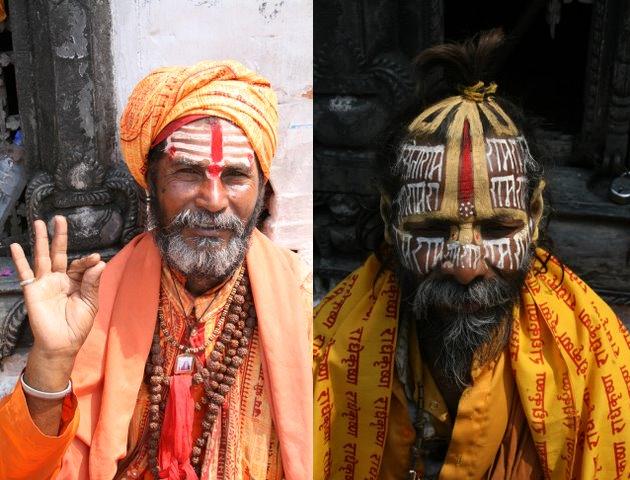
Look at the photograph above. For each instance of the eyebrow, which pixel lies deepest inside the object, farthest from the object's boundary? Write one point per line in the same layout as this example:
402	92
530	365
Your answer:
502	218
185	160
237	168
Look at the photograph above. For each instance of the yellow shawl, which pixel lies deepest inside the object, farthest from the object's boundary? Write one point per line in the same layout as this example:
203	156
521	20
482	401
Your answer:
569	353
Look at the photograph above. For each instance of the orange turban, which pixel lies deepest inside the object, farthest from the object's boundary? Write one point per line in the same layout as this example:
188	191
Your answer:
224	89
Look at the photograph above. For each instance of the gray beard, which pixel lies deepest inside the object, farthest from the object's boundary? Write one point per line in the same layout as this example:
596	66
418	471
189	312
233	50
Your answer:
438	305
201	256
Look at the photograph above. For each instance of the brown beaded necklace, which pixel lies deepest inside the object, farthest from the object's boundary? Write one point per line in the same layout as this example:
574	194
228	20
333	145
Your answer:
234	330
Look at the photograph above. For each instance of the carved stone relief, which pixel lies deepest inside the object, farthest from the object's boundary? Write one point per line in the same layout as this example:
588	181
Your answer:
64	79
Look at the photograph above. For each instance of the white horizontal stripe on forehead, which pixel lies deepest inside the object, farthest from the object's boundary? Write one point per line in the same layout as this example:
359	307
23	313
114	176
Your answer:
205	149
225	127
206	137
207	144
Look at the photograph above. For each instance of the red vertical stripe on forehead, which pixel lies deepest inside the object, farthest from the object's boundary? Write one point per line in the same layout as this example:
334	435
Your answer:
217	141
216	149
466	185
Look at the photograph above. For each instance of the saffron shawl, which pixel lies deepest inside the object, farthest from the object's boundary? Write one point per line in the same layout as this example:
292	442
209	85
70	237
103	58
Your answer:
569	353
110	365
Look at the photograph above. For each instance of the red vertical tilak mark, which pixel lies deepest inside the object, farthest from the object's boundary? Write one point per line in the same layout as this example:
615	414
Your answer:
466	185
216	149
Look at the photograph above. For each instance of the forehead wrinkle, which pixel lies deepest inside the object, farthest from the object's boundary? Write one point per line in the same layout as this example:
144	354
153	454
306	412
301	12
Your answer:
235	139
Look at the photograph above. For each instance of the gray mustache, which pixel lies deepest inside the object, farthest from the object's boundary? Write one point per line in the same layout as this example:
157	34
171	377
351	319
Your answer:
484	292
204	219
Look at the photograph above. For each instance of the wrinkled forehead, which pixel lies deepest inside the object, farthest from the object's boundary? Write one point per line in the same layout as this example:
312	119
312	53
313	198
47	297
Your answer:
472	178
202	131
210	140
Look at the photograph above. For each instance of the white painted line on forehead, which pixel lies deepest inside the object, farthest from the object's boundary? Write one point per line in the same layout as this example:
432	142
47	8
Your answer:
225	127
230	143
207	136
204	149
421	161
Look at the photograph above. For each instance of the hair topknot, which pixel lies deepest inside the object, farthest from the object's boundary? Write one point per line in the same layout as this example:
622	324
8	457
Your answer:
461	64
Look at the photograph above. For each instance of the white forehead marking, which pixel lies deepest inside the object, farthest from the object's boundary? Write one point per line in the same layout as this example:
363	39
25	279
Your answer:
421	161
421	169
192	145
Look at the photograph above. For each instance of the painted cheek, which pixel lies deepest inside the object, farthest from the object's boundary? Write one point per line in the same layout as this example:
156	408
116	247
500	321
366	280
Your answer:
509	253
462	256
418	254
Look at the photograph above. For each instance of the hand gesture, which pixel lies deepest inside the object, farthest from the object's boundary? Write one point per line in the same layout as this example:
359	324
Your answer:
61	301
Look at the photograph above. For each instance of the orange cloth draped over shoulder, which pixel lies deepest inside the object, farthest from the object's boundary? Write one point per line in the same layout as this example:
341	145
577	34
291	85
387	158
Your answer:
568	361
224	89
109	369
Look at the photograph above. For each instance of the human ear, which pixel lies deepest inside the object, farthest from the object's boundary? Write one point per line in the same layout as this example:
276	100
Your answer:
536	206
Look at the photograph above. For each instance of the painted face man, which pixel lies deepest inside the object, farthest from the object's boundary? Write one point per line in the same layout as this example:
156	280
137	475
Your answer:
462	221
460	348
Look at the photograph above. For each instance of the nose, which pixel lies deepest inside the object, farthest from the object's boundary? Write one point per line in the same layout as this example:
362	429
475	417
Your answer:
464	258
464	270
212	195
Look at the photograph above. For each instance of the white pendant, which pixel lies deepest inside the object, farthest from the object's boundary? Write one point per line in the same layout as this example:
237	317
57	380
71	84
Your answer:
184	364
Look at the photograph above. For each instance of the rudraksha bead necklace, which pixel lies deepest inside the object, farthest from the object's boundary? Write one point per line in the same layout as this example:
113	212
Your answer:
234	331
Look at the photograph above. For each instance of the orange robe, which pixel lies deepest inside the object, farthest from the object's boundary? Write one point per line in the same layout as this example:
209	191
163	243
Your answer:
109	369
247	414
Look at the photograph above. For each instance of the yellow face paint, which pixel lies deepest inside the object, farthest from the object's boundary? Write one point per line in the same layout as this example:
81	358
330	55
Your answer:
491	223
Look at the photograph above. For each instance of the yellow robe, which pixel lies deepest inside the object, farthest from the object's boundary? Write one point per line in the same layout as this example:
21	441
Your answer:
569	356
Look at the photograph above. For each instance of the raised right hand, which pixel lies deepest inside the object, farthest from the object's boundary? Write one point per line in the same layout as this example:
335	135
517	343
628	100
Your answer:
62	301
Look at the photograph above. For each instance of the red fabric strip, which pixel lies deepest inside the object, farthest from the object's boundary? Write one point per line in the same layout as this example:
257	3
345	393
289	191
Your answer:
176	437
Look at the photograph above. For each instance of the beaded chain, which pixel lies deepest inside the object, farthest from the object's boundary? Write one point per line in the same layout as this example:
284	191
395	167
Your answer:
234	330
201	348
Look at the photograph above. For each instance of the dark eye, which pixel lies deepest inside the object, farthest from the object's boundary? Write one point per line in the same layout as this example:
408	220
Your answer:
493	230
187	170
429	229
235	173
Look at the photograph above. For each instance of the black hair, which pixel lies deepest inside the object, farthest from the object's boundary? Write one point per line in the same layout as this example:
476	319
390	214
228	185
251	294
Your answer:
153	159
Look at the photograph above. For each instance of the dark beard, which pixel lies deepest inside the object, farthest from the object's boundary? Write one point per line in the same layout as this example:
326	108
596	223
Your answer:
442	310
207	257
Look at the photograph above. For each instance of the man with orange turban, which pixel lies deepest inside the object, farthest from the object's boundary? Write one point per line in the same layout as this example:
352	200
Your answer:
187	356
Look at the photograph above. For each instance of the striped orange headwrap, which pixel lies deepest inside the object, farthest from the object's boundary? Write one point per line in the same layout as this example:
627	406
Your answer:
223	89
